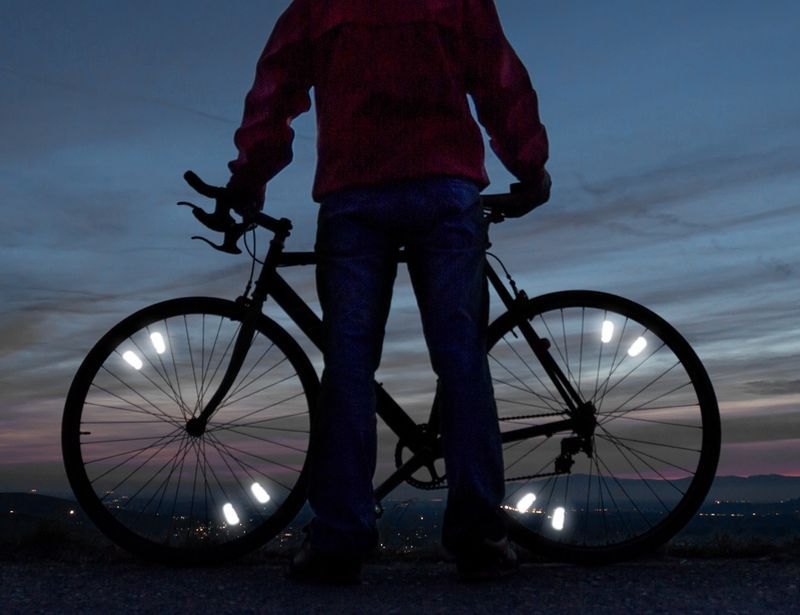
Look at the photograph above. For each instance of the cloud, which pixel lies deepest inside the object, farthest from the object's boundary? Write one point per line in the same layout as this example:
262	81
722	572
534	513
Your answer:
773	387
684	199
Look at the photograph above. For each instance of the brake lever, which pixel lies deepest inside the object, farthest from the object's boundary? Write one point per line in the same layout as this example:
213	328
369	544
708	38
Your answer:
228	245
220	220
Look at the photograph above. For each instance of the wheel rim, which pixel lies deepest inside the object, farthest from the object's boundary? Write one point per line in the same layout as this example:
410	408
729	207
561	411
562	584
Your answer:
153	485
656	439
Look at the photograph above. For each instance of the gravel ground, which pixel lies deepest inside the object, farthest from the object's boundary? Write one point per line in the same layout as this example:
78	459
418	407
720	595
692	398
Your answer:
114	583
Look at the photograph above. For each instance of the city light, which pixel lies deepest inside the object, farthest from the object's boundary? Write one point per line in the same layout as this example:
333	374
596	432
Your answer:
133	360
526	502
259	493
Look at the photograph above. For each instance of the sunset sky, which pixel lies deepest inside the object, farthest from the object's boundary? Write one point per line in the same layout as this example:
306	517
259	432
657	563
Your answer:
675	156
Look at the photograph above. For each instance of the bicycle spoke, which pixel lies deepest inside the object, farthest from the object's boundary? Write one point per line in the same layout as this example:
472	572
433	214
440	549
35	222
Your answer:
219	426
638	419
224	355
160	412
550	395
164	373
660	460
170	395
615	413
207	364
183	405
194	372
638	454
243	378
139	467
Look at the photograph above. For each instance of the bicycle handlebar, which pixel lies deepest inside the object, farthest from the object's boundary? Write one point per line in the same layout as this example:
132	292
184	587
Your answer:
212	192
513	204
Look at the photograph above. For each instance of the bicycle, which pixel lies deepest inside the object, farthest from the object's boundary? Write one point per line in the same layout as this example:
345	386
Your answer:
186	429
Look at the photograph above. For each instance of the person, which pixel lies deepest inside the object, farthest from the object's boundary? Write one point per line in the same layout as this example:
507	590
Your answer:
400	163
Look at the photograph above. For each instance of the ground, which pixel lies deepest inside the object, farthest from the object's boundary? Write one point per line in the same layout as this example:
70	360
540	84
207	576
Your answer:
107	580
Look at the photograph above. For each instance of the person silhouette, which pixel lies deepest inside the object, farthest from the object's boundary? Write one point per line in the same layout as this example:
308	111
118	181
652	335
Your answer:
400	163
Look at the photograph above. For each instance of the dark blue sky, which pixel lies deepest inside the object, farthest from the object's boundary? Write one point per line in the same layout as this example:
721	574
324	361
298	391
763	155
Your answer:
675	131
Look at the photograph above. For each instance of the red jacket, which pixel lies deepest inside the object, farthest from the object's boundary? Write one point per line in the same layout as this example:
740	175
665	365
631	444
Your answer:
390	86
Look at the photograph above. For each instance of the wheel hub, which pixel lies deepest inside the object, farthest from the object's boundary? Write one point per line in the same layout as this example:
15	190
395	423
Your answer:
195	427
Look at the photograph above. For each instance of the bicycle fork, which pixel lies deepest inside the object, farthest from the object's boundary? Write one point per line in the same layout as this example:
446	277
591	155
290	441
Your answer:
196	426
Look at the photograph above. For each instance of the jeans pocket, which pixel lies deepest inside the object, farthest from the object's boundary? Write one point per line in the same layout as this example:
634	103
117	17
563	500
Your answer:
462	194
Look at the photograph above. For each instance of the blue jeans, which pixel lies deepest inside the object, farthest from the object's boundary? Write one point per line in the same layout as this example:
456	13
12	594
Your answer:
440	223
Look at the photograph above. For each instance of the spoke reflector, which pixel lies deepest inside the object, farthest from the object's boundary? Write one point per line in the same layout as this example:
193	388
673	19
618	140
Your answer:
607	332
526	502
230	514
259	493
158	342
558	518
132	359
637	347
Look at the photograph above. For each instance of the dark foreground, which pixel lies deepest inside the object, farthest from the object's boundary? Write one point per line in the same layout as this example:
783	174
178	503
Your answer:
114	583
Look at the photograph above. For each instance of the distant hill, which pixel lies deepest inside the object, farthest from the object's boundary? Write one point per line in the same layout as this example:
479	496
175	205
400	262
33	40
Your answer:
40	506
763	488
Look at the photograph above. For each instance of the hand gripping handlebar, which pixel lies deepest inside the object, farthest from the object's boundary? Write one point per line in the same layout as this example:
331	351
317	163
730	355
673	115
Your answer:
220	219
498	207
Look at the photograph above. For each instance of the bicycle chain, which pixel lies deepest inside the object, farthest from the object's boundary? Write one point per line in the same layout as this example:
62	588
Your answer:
530	476
441	481
530	416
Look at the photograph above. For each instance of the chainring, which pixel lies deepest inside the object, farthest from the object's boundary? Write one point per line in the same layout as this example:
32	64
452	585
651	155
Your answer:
432	478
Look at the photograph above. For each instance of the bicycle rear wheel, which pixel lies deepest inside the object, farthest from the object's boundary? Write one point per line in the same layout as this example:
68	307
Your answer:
656	439
150	485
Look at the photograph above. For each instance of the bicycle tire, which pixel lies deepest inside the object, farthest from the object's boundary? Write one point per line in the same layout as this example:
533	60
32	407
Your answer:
657	437
149	485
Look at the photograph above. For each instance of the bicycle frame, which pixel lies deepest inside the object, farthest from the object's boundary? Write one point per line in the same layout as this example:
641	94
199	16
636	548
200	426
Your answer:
422	444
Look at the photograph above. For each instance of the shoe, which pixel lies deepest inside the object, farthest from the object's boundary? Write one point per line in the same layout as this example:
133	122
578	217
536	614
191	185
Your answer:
488	560
310	566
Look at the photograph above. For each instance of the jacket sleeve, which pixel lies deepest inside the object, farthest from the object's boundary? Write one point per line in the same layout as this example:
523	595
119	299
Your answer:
279	94
505	100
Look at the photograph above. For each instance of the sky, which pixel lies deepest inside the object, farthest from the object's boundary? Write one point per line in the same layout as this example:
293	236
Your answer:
675	156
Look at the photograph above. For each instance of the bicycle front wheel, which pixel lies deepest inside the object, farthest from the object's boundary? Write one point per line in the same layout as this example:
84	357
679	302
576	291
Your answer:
146	481
653	453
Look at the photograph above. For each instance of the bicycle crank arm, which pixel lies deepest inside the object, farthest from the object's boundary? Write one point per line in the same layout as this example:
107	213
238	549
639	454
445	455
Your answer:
401	475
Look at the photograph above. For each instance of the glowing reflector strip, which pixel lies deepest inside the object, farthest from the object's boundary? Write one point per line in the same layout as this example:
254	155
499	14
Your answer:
558	518
230	514
132	359
158	343
607	332
525	502
637	347
259	493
